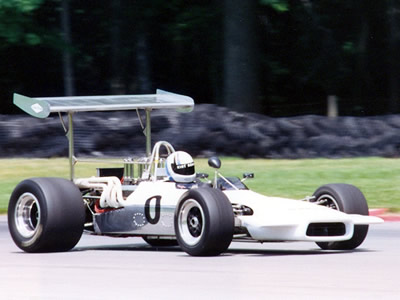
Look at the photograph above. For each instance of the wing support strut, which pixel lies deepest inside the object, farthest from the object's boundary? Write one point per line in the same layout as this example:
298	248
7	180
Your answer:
43	107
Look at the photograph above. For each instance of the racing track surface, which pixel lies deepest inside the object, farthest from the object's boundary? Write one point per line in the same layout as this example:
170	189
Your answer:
113	268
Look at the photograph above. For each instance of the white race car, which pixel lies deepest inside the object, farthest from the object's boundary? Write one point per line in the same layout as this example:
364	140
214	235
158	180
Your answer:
161	199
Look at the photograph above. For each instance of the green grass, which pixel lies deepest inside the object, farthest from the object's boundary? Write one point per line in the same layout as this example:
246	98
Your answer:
376	177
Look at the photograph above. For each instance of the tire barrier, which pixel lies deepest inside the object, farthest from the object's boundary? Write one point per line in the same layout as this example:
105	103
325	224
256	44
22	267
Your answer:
209	130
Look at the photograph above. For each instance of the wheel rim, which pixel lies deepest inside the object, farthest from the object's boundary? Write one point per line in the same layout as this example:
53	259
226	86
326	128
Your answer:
27	215
191	222
328	201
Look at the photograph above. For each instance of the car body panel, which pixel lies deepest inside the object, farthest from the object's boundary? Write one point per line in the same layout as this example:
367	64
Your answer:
150	208
282	219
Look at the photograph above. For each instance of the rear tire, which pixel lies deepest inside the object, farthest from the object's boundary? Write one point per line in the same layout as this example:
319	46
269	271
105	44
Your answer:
349	199
204	222
46	215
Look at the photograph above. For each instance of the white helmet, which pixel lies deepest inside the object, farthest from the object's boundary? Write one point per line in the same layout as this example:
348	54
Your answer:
180	167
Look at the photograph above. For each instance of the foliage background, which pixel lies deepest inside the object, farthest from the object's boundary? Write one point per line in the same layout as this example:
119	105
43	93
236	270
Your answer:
277	57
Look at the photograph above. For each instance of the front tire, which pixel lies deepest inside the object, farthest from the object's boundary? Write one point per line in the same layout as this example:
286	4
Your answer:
46	215
204	222
349	199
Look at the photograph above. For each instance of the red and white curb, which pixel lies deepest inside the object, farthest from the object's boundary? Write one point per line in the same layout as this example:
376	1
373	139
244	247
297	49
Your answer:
384	214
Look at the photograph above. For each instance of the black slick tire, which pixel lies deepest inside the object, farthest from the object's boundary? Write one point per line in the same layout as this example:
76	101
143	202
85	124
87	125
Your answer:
204	222
46	215
349	199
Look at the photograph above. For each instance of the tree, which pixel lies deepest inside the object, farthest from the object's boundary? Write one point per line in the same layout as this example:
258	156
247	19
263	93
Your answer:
68	69
16	25
280	57
116	80
18	30
394	55
240	56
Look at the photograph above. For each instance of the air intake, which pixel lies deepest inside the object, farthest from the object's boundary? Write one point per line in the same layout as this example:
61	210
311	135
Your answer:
326	229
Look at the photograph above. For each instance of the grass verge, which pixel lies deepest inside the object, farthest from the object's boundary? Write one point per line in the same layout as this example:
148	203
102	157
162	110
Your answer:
376	177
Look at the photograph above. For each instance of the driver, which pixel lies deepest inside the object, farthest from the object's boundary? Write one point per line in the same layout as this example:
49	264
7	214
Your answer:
180	167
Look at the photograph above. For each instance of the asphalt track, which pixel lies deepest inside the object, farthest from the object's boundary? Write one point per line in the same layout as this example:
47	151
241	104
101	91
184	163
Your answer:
114	268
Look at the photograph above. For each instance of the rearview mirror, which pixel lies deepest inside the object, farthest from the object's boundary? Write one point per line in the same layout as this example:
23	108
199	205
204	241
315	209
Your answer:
248	175
214	162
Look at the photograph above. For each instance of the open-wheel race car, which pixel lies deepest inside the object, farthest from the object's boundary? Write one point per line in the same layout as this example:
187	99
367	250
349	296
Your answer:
160	198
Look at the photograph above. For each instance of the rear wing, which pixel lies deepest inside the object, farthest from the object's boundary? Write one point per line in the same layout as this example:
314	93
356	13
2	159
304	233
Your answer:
43	107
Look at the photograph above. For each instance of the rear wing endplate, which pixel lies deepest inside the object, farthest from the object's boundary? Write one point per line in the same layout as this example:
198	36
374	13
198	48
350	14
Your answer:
43	107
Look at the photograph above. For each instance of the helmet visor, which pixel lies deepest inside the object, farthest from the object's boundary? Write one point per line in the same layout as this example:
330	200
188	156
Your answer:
183	169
